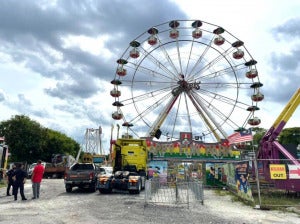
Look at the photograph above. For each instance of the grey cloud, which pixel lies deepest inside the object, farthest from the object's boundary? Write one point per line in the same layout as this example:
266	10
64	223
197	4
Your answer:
83	88
25	106
285	66
286	62
23	100
290	28
2	97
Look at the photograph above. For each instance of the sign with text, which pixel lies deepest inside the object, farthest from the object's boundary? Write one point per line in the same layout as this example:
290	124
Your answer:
278	171
294	171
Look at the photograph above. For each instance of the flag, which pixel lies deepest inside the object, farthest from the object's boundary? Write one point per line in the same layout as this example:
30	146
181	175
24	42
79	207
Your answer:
238	137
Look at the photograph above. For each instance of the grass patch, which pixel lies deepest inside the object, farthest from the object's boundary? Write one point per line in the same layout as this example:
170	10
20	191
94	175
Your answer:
278	200
270	200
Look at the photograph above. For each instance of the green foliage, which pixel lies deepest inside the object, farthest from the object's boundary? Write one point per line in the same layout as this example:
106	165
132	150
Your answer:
290	136
29	141
258	134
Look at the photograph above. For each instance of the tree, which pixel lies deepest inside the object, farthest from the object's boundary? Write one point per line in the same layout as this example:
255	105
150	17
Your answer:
24	137
29	141
290	136
259	133
58	143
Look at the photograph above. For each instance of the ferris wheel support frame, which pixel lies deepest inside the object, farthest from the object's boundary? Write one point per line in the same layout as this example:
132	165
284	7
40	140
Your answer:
162	116
198	101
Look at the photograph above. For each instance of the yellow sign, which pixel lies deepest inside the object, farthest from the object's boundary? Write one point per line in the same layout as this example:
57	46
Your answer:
278	171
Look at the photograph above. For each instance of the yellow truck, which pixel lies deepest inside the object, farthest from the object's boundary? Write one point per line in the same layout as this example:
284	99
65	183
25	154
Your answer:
129	162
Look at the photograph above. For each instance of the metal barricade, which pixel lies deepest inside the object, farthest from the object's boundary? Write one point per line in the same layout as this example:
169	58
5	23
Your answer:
175	193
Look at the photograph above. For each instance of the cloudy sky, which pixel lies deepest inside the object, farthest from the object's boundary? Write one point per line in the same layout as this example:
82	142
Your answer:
57	58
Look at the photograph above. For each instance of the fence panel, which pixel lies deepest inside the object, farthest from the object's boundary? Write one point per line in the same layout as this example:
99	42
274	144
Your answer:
176	193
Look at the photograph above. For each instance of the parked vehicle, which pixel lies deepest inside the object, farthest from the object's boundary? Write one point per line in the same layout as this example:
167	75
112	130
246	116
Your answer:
129	161
31	167
82	175
107	170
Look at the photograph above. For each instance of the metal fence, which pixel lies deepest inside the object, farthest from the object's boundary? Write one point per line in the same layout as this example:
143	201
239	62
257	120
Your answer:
176	193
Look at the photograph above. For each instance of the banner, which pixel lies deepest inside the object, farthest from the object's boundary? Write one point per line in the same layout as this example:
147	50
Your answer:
294	171
242	183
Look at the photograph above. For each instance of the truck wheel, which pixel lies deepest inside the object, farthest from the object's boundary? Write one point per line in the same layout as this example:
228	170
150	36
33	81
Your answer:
143	183
105	191
68	188
139	188
137	191
102	191
93	188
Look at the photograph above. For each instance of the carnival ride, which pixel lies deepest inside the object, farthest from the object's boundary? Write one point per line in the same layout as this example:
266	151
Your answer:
91	150
186	76
272	152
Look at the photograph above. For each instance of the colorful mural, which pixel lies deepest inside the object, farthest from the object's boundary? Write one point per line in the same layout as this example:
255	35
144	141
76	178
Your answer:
215	175
241	177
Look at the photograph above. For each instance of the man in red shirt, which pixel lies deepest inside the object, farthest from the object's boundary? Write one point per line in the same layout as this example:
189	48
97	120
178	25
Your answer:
36	179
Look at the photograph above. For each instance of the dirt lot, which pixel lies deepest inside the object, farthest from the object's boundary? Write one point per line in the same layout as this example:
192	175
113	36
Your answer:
57	206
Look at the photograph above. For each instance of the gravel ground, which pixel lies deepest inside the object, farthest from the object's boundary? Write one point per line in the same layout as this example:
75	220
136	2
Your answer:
57	206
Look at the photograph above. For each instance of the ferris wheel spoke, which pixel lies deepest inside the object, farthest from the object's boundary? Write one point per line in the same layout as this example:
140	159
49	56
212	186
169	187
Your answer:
157	64
217	112
204	116
213	62
167	56
151	94
214	96
198	61
179	57
216	124
162	116
150	108
217	73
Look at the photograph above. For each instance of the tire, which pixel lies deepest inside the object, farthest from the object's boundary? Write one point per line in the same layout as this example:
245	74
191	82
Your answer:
137	191
68	188
139	188
105	191
93	188
143	183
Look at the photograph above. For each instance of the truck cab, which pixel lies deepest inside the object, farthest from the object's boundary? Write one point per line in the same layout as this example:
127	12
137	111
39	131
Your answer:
129	162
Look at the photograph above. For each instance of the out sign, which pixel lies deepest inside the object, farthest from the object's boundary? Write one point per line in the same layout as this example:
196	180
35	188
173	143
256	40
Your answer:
277	171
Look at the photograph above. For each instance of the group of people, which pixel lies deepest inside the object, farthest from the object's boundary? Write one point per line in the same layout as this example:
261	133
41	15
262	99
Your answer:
17	177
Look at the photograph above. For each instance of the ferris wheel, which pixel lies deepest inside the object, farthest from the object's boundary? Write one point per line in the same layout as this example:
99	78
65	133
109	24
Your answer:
186	76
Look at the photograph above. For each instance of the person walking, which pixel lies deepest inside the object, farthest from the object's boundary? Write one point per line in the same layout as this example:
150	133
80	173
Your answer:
19	178
10	181
36	179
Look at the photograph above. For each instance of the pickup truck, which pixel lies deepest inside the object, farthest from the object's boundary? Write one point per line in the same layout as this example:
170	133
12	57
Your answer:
82	175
